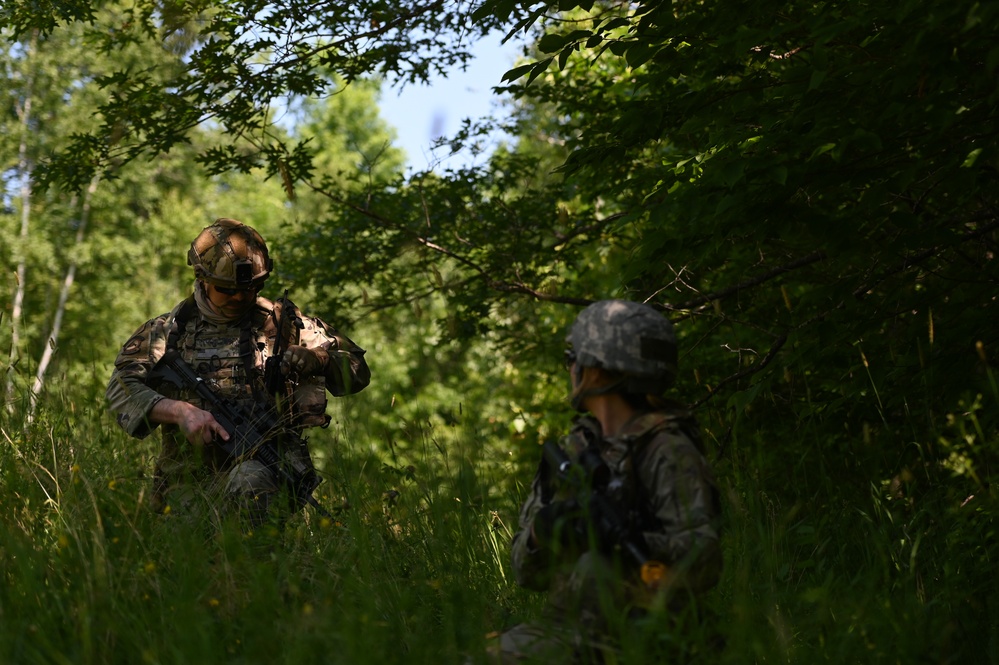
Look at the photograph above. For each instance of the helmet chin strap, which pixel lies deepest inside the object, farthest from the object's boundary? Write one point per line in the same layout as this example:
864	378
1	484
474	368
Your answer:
581	392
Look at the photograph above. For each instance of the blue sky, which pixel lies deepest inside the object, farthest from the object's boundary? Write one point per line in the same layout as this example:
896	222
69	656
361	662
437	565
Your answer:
422	113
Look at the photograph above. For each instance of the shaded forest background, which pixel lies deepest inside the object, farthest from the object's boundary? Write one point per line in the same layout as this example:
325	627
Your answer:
808	190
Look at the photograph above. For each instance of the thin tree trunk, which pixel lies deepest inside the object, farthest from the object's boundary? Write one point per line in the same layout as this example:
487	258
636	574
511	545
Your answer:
67	284
24	166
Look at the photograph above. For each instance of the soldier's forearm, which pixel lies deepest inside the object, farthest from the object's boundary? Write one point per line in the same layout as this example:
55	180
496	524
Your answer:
199	426
170	411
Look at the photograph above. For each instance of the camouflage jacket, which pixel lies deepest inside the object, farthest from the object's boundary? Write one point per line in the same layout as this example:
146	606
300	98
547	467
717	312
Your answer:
661	481
214	352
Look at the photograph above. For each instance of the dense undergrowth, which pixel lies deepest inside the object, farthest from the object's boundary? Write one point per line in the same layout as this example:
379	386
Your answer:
834	556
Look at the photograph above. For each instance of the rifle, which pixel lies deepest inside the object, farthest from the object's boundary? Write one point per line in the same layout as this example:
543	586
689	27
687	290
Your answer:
588	479
251	435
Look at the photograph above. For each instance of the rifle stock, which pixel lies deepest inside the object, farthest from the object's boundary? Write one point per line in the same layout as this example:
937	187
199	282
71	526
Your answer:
251	434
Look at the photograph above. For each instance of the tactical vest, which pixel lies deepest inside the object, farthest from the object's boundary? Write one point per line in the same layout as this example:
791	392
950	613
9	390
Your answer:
231	359
623	456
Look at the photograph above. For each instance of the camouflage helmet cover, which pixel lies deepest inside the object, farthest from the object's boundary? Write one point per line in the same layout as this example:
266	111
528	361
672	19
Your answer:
630	338
231	254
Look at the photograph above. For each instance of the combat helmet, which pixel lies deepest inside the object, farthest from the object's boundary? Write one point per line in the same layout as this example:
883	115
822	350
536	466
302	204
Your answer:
230	254
629	338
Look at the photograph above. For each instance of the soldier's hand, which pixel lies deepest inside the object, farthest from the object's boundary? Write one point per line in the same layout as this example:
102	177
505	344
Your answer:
199	426
304	361
560	523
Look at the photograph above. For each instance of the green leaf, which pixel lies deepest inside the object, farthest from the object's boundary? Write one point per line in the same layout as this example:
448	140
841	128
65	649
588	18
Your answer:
577	36
972	157
727	202
497	8
538	68
732	172
563	57
818	76
639	53
618	47
821	150
615	23
550	43
517	72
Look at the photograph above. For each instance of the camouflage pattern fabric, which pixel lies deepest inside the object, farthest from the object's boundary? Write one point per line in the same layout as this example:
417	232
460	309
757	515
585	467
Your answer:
547	642
213	351
220	250
629	338
662	481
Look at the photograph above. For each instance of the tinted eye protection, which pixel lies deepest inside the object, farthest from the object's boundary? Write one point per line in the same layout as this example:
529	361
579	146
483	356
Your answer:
231	292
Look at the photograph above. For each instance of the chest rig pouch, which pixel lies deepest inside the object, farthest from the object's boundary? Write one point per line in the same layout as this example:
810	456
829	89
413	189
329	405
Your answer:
224	356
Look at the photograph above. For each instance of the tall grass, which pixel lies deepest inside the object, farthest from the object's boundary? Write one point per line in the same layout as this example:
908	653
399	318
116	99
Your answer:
827	559
409	571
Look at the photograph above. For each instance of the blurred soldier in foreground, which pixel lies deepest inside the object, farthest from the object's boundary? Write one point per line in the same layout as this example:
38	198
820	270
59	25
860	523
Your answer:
260	356
621	525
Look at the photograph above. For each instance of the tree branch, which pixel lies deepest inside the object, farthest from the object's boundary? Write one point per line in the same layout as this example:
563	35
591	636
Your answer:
919	257
755	281
749	371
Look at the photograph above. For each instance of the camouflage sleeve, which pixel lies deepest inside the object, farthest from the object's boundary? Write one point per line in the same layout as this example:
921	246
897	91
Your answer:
347	372
682	491
531	566
128	396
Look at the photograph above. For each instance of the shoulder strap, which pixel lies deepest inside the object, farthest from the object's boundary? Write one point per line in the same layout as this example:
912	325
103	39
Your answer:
652	424
246	354
180	319
674	417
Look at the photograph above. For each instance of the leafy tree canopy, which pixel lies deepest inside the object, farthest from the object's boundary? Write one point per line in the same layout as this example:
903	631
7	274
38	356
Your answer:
243	59
809	183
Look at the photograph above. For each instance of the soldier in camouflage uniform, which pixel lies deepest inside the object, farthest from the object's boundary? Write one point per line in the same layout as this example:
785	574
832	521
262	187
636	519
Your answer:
622	357
226	332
